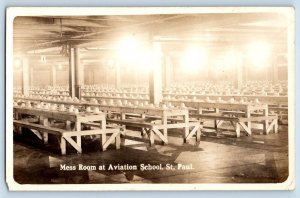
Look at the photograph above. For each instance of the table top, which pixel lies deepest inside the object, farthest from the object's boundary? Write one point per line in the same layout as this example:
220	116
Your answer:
156	111
222	105
116	98
236	97
62	115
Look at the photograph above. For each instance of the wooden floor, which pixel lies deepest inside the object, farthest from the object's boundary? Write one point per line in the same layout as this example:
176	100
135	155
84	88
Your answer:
218	158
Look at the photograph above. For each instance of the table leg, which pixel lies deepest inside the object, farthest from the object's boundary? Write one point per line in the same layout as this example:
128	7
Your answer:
18	129
63	146
151	137
165	130
248	115
143	132
216	121
45	122
186	128
118	141
68	125
266	121
78	137
238	129
123	117
103	138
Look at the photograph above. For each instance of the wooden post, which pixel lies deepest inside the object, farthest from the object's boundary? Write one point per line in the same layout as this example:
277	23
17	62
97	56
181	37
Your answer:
155	79
79	73
72	73
25	77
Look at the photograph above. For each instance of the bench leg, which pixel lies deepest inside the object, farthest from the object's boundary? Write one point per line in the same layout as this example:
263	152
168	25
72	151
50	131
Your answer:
123	130
78	137
216	124
246	128
276	126
143	132
45	138
63	146
68	125
186	128
238	130
273	125
79	142
265	127
118	141
265	123
248	124
19	130
103	141
151	137
198	134
165	133
123	117
220	123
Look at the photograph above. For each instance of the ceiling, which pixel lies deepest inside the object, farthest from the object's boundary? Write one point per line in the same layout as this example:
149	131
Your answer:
53	35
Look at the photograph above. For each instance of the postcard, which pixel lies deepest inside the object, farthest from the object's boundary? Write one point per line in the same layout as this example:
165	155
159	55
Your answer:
150	98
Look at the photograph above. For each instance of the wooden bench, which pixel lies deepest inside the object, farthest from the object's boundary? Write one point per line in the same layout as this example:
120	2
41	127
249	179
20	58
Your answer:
66	136
153	127
269	122
282	112
148	118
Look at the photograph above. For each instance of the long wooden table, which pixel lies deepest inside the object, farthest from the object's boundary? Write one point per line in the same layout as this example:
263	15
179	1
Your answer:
244	111
68	117
240	114
271	100
131	99
161	114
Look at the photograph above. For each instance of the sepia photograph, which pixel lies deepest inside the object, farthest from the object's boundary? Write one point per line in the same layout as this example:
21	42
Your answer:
158	98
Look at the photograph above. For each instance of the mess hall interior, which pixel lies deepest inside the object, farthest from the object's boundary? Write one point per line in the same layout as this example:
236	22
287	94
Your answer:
156	98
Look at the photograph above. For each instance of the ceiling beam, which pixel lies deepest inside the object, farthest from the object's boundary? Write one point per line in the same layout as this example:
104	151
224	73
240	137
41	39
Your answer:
105	31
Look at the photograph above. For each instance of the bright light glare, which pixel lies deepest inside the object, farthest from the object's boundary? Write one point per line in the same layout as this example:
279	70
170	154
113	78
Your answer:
134	54
258	53
59	66
194	58
17	63
128	49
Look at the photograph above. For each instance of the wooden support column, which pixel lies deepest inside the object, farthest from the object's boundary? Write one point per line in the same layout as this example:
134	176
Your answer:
117	75
53	76
155	78
72	73
25	76
79	73
168	71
